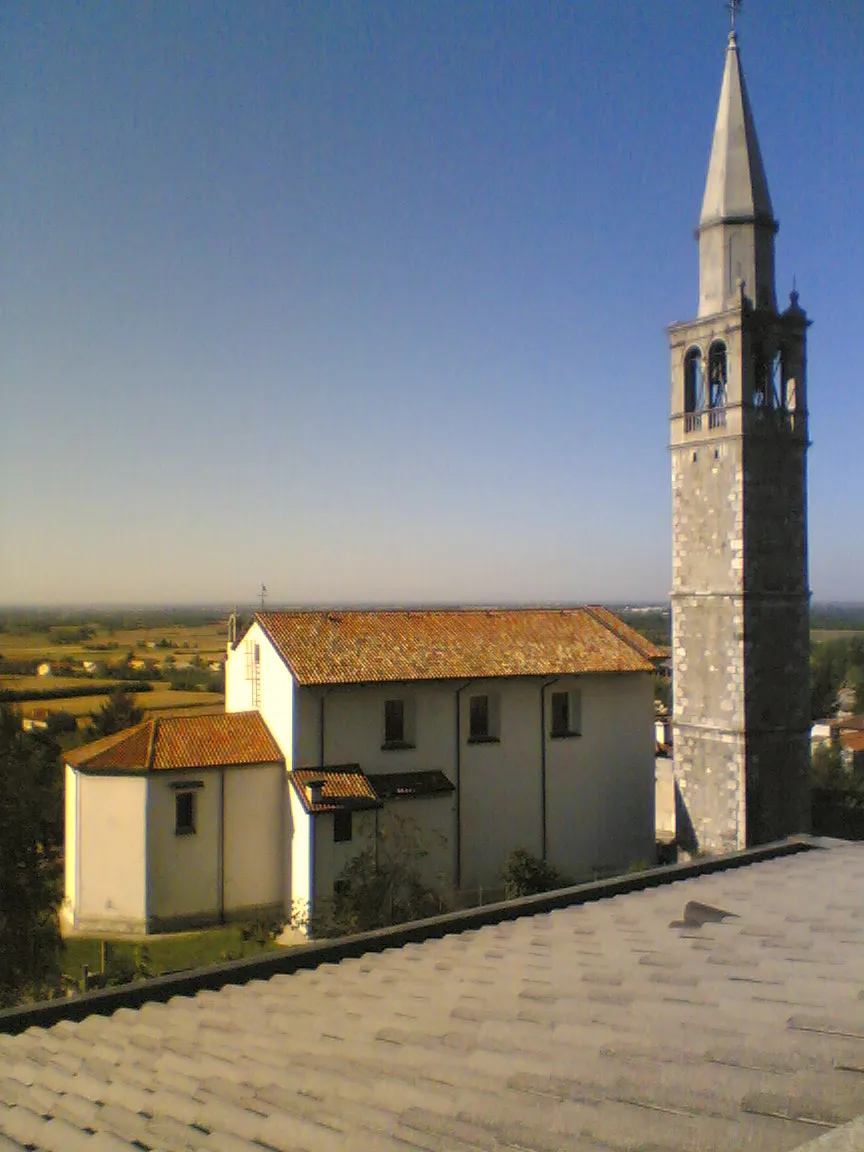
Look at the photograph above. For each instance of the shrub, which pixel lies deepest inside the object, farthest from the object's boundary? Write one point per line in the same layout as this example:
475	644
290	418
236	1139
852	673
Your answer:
527	875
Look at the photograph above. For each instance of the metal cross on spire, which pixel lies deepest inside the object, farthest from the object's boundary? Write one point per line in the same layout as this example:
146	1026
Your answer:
734	7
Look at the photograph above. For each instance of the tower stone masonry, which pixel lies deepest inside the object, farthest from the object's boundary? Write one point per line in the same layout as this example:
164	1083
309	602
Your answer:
740	598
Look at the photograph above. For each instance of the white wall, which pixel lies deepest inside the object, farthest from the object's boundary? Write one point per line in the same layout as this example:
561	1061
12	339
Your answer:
432	820
331	858
70	853
300	833
354	726
600	785
113	852
276	702
254	837
183	871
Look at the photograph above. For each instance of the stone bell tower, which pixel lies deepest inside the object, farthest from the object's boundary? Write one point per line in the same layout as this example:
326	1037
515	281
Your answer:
740	600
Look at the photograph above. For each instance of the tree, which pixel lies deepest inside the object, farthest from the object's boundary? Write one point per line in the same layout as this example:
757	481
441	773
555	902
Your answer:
380	886
31	815
118	712
527	875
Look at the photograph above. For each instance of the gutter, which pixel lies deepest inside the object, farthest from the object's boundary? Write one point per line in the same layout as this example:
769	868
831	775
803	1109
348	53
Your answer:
458	773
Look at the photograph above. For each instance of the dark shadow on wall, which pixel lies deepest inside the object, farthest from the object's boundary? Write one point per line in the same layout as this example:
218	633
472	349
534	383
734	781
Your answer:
685	835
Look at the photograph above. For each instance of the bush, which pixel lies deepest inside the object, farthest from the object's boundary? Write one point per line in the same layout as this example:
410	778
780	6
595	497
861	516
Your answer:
527	875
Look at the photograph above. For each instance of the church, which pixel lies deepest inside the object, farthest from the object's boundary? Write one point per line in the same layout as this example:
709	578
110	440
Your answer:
498	729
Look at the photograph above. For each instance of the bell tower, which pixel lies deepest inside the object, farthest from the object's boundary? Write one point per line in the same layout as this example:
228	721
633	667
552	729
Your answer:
740	599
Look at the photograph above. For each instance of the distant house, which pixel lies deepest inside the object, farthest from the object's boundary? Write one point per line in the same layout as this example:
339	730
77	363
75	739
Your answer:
89	666
482	731
832	729
43	669
36	719
852	748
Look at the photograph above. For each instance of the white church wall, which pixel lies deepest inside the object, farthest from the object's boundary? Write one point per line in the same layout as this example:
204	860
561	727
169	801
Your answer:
112	842
183	870
600	784
257	679
254	809
354	726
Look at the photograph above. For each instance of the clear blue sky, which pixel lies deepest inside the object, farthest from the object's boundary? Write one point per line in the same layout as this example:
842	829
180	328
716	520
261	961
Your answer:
367	300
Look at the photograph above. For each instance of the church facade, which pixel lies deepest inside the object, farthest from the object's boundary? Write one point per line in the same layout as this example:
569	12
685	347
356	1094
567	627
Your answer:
740	598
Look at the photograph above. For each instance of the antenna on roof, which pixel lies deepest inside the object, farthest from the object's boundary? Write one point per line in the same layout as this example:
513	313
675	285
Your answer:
734	7
262	595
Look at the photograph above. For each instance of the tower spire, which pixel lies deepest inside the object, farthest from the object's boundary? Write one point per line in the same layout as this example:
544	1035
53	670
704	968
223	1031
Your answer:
736	225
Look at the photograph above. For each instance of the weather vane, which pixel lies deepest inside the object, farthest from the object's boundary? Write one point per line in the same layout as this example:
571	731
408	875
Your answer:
734	7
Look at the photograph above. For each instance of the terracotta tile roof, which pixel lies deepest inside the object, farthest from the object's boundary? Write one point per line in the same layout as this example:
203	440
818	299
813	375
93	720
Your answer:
231	738
344	786
642	645
355	647
407	785
852	741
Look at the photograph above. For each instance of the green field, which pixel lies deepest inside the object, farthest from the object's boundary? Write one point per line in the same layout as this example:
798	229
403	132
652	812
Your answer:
172	953
154	641
822	635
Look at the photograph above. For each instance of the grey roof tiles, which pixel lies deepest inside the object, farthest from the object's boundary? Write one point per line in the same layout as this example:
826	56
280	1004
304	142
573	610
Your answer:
619	1024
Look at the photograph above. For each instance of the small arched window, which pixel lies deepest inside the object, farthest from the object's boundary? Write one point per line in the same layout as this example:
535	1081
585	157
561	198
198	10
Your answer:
718	375
694	382
761	378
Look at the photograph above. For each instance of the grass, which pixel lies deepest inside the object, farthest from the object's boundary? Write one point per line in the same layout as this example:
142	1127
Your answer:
821	635
161	702
175	953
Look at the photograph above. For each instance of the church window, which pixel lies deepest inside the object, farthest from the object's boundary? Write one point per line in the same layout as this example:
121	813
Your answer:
566	714
717	374
694	389
398	724
761	378
184	813
394	721
483	719
343	830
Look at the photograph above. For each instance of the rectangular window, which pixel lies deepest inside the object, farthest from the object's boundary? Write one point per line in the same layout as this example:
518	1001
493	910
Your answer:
560	713
394	721
184	813
483	718
399	724
342	827
566	718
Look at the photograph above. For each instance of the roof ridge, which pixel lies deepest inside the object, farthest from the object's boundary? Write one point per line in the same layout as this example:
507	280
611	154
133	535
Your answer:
595	610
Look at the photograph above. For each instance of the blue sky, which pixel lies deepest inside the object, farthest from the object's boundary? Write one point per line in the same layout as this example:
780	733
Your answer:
367	301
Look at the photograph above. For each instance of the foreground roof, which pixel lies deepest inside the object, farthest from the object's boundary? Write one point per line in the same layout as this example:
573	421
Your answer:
719	1012
175	742
352	647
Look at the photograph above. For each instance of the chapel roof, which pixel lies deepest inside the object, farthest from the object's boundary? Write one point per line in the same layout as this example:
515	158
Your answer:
177	742
390	645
